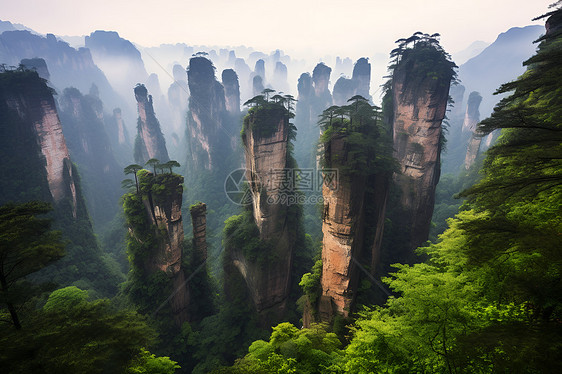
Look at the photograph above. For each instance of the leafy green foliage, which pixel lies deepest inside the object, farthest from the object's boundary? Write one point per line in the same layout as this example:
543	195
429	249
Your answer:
73	335
26	245
291	350
367	149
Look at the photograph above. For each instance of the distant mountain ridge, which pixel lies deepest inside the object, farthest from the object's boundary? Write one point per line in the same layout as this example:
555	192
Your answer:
499	63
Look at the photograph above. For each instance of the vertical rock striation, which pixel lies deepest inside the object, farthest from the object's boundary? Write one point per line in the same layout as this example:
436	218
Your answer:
420	91
321	80
31	101
342	226
362	77
37	166
231	91
267	273
150	141
199	221
471	119
155	224
209	134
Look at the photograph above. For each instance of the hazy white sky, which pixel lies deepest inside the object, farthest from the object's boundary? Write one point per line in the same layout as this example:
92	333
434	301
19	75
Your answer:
309	28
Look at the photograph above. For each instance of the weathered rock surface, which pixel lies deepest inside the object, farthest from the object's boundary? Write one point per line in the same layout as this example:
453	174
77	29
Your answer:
418	114
471	119
362	77
34	105
83	124
321	80
199	221
164	214
209	134
231	91
342	226
150	141
266	157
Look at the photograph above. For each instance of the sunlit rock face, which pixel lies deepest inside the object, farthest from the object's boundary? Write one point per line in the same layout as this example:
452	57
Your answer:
471	119
33	104
231	91
150	141
418	114
342	226
269	282
209	134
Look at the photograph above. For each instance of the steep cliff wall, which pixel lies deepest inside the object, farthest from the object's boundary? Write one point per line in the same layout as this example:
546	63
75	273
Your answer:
83	120
199	221
343	229
231	91
266	267
321	80
36	166
150	141
209	133
27	96
362	77
420	90
359	84
344	89
155	244
357	165
471	119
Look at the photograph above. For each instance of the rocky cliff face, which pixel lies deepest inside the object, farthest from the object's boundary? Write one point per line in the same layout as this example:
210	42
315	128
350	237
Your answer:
83	125
231	91
209	133
420	101
362	77
32	103
471	119
199	222
150	141
36	166
342	226
344	89
359	84
268	281
162	249
321	80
